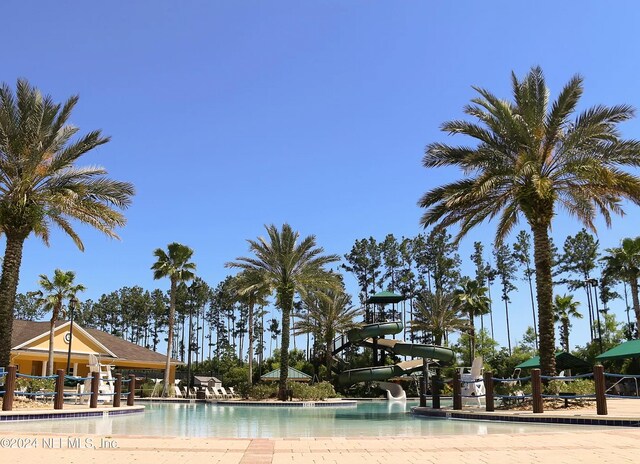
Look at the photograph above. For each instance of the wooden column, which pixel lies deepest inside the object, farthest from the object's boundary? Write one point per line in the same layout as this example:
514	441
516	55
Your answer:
435	390
95	389
536	390
601	398
9	388
132	389
488	387
58	400
457	390
118	391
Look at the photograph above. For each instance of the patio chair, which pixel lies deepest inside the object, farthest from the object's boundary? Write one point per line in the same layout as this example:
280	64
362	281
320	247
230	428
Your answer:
222	392
177	392
233	393
473	384
207	394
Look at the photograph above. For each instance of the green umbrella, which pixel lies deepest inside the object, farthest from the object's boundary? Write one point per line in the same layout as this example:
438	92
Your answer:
630	349
564	360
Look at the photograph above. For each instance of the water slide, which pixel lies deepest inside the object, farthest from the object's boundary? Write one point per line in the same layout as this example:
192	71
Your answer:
367	335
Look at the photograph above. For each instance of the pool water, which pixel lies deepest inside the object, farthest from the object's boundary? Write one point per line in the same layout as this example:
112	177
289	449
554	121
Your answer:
210	420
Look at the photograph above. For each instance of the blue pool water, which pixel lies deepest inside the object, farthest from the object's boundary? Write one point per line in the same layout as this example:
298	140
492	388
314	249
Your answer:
210	420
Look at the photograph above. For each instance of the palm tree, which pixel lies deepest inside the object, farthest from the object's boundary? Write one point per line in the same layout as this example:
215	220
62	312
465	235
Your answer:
532	158
327	313
176	265
40	186
288	267
52	297
474	302
251	291
565	308
623	263
438	313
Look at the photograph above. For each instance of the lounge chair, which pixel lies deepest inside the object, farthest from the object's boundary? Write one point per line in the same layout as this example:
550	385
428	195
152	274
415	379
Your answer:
177	392
222	392
233	393
207	394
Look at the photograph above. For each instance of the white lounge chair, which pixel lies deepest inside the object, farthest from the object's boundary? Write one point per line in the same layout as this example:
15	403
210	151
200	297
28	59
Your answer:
473	390
222	392
207	394
177	392
232	392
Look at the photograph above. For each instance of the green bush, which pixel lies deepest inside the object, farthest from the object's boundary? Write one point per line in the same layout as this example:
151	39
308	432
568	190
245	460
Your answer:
319	391
35	385
146	389
263	391
576	387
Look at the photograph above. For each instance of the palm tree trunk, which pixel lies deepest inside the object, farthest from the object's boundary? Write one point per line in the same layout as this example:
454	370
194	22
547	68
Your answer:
544	289
533	306
8	286
472	337
633	283
172	317
286	297
565	334
506	310
250	360
52	328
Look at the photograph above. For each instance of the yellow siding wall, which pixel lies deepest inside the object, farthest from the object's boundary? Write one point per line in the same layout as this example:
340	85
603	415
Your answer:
79	344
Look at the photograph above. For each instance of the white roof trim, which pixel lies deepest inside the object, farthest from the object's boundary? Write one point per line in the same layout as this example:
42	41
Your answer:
77	327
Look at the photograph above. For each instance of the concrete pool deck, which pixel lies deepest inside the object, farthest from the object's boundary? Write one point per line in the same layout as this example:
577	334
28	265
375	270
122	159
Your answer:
573	444
611	446
621	412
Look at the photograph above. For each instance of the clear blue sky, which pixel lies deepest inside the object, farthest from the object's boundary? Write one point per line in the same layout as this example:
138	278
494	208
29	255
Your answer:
230	115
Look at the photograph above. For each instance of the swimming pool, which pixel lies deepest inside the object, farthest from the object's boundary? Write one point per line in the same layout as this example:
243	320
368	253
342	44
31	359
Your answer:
209	420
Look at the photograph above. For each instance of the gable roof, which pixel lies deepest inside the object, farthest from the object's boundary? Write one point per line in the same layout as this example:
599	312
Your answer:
292	374
117	348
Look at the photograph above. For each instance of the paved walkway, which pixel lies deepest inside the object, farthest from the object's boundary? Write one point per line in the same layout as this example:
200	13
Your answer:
615	445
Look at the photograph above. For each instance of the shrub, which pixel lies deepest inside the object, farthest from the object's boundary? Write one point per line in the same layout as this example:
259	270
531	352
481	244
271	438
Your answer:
35	385
319	391
263	391
576	387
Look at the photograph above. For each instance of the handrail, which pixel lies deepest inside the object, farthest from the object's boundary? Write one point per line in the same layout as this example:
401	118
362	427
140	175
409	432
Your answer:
44	377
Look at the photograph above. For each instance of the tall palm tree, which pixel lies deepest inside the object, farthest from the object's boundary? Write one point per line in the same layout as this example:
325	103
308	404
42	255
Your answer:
623	263
287	267
438	314
40	185
327	313
52	297
251	291
564	308
176	265
473	302
532	158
